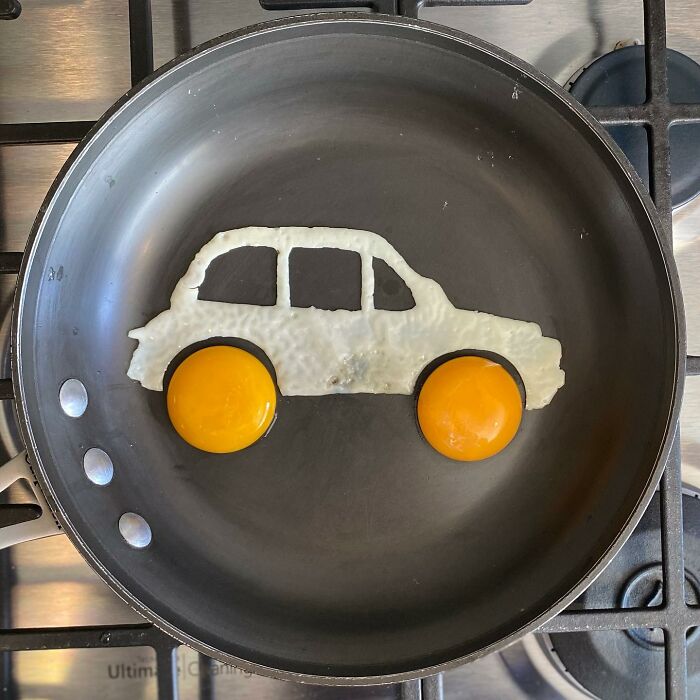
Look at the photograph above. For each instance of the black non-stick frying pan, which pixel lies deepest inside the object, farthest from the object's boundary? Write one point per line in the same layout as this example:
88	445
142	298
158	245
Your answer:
341	548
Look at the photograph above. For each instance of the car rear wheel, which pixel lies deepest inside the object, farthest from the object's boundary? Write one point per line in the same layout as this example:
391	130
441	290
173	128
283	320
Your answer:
469	408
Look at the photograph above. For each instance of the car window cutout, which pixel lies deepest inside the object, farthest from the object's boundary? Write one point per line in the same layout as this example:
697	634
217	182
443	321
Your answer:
245	275
391	293
325	278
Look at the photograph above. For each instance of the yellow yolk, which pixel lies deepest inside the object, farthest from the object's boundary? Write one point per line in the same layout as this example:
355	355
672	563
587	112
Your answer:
469	408
221	399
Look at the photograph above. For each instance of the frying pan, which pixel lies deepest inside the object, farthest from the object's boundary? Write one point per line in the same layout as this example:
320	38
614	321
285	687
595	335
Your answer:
341	549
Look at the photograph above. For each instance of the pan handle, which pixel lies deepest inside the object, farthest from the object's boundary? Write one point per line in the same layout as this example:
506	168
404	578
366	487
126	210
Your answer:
43	526
407	8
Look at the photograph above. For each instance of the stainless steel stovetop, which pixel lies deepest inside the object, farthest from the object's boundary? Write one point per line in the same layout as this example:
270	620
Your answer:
69	60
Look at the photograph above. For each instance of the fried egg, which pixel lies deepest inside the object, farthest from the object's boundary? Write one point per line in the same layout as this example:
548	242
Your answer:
316	351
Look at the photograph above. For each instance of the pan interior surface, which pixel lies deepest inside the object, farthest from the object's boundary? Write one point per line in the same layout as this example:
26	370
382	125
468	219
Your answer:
342	545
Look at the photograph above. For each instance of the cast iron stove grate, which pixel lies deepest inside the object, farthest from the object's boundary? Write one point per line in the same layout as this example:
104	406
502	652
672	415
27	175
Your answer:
674	617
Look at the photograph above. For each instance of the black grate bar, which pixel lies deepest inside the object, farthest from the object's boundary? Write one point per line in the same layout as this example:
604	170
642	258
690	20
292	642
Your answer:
674	575
619	619
639	115
683	113
82	637
387	7
657	94
676	664
206	678
166	670
660	174
604	620
7	392
10	263
8	577
692	365
140	39
471	3
655	44
406	8
643	115
182	22
41	133
672	536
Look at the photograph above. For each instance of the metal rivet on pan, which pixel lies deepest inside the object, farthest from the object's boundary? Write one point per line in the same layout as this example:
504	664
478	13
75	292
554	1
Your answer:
98	466
135	530
73	398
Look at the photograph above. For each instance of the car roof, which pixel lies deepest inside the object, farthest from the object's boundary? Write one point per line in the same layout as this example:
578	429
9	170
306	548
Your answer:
284	239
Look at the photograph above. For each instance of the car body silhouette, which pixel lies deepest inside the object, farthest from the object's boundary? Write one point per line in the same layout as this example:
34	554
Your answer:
318	351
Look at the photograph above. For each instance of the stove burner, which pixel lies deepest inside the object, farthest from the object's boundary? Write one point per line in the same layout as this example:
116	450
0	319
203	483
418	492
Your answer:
627	664
645	590
619	78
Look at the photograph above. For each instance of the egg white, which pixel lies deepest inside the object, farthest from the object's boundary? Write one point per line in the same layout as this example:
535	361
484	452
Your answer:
317	352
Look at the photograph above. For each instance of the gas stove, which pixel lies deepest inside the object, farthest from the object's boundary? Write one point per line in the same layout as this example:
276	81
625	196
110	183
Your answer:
64	634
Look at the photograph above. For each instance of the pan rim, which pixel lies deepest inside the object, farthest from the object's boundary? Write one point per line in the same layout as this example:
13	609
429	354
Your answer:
556	93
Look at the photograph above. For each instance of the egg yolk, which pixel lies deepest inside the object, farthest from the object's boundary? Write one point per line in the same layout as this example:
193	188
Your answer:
221	399
469	408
